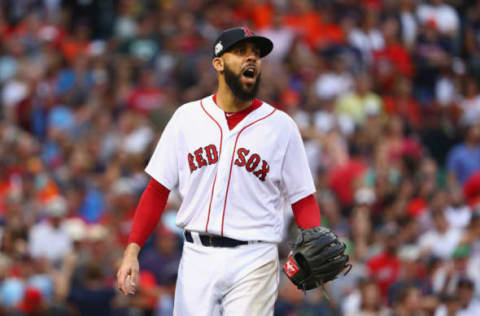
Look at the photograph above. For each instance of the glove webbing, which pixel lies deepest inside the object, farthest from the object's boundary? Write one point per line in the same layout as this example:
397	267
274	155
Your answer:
321	285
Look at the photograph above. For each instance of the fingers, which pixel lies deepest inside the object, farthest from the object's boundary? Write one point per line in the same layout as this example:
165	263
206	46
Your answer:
127	280
121	278
132	286
127	275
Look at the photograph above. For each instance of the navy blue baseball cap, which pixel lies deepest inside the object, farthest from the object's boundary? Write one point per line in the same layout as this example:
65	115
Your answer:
230	37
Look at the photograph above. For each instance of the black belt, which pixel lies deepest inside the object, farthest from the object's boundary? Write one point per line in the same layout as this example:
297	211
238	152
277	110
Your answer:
215	241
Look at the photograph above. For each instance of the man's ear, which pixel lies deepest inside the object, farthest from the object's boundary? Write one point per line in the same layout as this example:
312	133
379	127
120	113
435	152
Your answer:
218	64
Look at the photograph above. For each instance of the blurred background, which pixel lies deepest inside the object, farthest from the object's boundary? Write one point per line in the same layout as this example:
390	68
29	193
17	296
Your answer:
385	93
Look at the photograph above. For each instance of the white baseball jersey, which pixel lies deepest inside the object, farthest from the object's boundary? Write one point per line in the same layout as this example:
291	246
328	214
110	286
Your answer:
234	183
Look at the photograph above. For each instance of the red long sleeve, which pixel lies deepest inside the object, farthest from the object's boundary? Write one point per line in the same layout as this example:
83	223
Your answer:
306	212
148	213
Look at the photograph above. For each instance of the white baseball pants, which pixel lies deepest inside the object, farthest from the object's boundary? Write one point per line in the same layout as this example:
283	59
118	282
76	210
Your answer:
227	281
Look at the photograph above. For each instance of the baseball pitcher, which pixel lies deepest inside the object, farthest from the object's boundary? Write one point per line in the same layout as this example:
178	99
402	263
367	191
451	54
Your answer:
236	162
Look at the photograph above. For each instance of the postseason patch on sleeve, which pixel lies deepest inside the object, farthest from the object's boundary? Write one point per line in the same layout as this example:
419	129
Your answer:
290	267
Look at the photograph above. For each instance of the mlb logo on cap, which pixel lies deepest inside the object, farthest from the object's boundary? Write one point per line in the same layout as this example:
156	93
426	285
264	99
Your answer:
230	37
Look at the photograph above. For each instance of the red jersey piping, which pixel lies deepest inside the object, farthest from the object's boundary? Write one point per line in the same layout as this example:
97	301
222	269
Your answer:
220	153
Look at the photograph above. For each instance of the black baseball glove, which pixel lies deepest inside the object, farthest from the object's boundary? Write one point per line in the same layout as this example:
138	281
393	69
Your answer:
316	258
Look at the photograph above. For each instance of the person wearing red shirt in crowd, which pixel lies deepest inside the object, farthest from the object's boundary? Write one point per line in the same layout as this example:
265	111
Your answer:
401	103
260	13
343	180
384	268
77	43
319	31
188	40
147	97
394	59
471	190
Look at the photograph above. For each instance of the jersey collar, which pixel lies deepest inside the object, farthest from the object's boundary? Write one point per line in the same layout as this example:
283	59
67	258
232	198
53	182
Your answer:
219	115
256	103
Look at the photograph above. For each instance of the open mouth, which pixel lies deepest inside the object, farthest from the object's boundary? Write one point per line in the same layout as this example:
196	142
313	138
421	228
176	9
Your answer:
249	72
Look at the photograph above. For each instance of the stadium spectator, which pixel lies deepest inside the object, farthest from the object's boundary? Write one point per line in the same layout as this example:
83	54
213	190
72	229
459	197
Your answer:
462	161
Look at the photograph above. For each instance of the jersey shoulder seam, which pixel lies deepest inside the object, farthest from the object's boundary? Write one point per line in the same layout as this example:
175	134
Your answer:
184	106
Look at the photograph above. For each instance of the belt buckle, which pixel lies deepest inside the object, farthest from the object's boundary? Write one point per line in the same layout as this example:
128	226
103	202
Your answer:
210	240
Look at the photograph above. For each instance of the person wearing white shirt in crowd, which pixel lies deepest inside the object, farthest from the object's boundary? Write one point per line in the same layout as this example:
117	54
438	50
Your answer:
442	240
336	81
408	22
443	15
469	306
458	213
469	103
282	36
367	38
49	238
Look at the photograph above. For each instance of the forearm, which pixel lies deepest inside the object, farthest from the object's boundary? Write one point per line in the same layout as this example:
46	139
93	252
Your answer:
307	213
150	209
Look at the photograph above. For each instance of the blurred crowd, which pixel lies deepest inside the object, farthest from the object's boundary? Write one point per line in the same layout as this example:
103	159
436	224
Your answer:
385	93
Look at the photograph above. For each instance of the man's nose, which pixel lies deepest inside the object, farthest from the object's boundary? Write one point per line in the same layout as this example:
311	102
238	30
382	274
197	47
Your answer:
251	56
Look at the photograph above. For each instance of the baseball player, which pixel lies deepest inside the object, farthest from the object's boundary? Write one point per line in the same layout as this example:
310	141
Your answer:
236	161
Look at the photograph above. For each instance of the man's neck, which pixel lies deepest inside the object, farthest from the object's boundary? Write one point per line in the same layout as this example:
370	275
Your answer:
228	102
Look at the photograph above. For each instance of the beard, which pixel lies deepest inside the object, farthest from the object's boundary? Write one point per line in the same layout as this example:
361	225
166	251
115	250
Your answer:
234	83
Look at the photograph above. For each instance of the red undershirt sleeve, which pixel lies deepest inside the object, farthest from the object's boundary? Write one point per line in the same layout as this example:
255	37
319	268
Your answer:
306	212
149	210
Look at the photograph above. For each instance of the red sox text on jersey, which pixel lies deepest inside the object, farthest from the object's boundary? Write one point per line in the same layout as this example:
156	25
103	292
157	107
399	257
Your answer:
208	155
233	182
